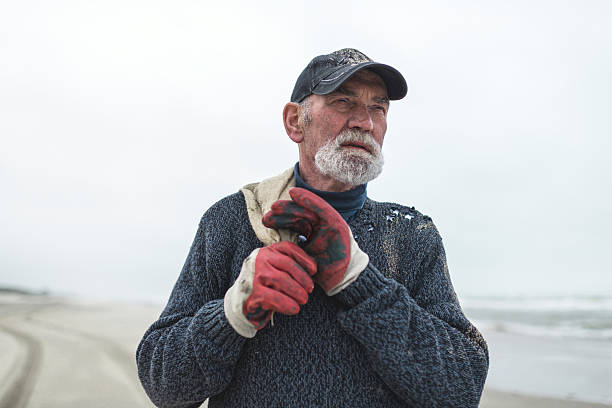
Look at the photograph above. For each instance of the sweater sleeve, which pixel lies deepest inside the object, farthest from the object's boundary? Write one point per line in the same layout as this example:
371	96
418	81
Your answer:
189	353
427	352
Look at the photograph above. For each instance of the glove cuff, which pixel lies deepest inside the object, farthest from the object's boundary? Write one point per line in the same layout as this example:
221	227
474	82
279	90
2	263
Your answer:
359	261
237	294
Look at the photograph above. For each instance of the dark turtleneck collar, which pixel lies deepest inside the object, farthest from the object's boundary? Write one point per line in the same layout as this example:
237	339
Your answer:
347	203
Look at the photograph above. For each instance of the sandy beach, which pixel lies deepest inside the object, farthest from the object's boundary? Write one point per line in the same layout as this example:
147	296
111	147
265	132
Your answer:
65	353
69	354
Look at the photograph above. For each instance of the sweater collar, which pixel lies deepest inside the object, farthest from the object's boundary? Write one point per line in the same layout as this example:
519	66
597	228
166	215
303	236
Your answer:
347	203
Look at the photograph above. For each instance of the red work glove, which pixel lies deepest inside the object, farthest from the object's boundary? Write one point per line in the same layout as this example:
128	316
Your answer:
329	238
275	278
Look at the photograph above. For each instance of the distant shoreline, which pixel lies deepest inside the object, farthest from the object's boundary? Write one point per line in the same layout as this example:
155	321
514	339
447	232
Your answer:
22	291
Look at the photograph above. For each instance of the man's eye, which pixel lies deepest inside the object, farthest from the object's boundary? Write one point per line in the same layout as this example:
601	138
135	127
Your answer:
342	100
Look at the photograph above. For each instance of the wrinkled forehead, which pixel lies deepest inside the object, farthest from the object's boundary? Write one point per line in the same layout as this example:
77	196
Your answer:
366	77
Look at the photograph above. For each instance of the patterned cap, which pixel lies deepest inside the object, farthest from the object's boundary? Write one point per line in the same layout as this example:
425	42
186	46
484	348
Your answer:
325	73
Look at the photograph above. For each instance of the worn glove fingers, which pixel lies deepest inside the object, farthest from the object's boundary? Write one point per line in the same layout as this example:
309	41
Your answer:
298	255
282	282
290	222
270	299
258	317
288	215
310	201
294	272
291	207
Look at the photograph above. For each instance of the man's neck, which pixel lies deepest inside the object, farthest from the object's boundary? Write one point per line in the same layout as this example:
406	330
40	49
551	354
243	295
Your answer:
347	203
315	179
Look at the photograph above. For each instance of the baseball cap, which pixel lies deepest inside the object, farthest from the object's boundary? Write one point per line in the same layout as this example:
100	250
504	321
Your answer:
325	73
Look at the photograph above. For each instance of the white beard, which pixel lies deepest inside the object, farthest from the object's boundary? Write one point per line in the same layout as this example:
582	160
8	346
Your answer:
348	165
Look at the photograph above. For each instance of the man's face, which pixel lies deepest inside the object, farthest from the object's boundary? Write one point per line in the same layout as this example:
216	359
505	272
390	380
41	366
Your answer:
344	130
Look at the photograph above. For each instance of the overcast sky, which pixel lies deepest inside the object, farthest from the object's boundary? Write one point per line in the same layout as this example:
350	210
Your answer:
121	122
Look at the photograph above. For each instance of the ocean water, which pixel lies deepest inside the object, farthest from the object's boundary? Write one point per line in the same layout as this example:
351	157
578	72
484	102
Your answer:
580	317
550	346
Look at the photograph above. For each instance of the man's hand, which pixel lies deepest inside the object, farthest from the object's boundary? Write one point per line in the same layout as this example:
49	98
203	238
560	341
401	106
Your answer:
275	278
329	238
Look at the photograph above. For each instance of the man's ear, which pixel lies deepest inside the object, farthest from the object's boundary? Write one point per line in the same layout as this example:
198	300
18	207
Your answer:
292	122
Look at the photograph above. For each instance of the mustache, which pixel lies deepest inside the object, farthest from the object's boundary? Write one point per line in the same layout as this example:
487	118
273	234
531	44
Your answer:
358	137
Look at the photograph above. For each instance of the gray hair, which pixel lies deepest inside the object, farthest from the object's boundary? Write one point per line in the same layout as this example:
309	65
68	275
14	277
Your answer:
305	111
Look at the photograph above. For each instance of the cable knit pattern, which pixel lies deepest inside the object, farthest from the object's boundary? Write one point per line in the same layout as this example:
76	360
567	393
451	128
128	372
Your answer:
395	337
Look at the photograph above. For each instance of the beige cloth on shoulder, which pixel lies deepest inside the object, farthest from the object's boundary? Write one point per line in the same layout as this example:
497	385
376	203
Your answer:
259	198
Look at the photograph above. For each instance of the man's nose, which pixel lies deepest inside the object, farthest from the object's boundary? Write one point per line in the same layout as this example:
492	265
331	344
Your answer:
361	119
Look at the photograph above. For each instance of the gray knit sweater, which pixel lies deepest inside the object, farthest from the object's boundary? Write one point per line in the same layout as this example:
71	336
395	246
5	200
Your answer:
396	337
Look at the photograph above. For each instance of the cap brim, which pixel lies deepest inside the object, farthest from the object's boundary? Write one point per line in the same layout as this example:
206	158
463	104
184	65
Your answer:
394	81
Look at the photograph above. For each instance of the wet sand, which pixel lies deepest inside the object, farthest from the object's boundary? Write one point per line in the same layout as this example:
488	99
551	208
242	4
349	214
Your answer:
67	354
557	367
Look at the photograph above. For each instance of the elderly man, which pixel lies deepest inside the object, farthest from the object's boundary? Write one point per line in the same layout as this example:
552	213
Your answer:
299	291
